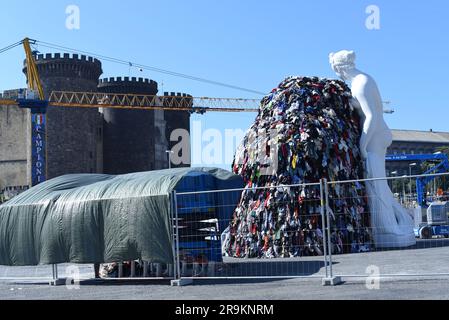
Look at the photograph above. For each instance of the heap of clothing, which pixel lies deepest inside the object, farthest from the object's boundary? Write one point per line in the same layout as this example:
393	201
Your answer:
306	130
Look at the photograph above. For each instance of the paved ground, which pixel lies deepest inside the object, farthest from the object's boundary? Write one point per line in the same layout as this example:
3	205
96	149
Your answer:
433	262
295	289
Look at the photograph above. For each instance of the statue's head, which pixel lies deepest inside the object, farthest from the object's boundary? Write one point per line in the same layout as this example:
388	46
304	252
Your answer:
341	62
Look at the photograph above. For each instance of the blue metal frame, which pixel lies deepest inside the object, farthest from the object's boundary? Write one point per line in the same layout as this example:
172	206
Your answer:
421	183
416	157
36	105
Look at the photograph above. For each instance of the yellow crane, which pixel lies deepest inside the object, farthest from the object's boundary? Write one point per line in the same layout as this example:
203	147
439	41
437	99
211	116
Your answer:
35	100
141	102
34	82
34	97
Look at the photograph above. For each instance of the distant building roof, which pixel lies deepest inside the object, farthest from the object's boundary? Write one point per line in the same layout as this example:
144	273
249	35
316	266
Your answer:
420	136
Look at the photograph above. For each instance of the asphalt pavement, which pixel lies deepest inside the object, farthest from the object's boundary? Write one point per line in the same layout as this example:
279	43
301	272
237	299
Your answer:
420	273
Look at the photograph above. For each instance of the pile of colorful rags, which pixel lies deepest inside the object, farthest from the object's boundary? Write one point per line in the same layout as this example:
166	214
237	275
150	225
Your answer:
311	128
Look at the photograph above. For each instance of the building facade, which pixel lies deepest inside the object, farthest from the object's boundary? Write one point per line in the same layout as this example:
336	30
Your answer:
413	142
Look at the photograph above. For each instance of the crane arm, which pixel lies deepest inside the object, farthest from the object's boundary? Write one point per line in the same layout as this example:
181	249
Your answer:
146	102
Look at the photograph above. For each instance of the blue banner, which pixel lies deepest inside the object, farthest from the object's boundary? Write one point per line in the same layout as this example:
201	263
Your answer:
38	145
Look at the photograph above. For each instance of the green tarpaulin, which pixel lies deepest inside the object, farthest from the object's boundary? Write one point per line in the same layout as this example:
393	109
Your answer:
95	218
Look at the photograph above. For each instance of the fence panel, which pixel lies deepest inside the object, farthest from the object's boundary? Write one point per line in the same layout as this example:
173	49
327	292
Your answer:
253	232
388	235
310	230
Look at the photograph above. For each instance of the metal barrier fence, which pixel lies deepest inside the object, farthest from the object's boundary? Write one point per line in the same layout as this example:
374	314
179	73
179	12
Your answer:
325	230
46	273
268	232
422	253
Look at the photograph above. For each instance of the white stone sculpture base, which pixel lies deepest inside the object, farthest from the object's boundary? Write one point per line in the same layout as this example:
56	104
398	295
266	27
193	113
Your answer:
391	223
389	240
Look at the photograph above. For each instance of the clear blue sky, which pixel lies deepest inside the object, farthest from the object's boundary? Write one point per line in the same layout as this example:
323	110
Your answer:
253	44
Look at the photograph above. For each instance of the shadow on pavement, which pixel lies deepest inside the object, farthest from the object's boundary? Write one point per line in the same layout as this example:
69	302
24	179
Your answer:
269	268
420	244
208	282
281	269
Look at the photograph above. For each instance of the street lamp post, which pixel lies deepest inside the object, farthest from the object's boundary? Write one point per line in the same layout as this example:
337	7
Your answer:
404	195
410	168
393	173
169	153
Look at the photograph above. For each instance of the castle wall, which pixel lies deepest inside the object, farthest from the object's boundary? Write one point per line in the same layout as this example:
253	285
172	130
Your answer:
14	150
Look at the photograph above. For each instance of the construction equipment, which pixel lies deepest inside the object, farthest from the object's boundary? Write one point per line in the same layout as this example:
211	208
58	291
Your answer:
33	97
198	105
38	101
441	166
437	223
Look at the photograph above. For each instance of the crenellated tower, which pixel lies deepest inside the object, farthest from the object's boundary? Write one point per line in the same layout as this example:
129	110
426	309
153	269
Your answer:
74	135
129	135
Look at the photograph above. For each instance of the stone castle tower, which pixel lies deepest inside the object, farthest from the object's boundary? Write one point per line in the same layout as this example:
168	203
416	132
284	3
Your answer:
177	120
74	135
88	140
129	142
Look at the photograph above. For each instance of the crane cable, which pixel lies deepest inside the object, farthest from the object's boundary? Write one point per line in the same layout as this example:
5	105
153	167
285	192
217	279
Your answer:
11	46
145	67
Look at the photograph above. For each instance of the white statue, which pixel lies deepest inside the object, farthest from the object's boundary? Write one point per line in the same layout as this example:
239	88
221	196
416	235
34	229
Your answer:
391	223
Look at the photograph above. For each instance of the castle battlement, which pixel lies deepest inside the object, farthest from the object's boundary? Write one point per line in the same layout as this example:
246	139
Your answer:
68	66
66	56
128	85
122	80
177	94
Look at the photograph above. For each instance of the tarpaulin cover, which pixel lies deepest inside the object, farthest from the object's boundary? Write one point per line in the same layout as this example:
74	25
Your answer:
95	218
